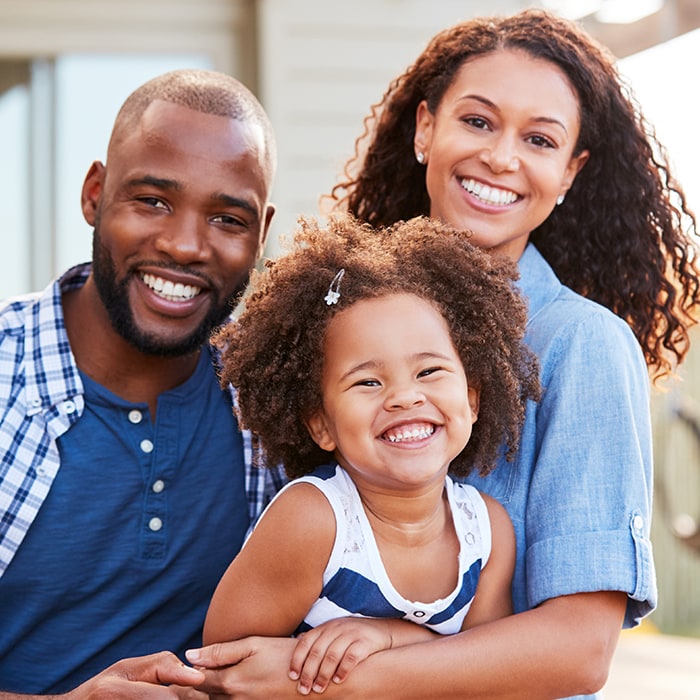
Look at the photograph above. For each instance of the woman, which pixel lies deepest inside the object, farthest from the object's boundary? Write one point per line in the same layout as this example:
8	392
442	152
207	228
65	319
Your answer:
520	130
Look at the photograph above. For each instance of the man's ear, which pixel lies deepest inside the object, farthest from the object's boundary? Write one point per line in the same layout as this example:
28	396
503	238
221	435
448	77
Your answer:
474	395
92	191
269	213
318	429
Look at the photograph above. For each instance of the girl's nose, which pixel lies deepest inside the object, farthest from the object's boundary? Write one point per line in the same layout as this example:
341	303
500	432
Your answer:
404	397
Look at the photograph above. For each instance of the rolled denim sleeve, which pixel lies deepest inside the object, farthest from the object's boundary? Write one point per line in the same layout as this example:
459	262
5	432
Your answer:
588	513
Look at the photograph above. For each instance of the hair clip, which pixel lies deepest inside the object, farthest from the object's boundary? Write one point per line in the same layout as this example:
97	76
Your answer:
334	288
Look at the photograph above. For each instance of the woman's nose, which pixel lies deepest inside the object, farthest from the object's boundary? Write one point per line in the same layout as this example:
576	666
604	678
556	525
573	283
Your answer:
501	155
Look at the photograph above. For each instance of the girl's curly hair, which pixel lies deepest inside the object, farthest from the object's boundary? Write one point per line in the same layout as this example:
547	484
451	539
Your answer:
618	239
273	355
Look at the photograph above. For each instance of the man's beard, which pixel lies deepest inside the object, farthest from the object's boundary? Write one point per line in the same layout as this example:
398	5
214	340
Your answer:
115	297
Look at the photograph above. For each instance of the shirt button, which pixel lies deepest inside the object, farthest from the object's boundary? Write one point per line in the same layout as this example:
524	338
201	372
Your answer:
155	524
135	416
146	446
69	407
638	522
158	485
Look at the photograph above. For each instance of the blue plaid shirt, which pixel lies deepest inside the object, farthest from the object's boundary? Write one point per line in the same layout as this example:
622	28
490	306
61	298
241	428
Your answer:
41	397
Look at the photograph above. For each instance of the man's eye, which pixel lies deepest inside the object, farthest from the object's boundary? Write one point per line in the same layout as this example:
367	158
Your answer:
153	202
228	220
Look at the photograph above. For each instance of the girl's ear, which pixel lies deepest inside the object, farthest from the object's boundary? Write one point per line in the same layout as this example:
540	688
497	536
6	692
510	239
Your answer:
474	395
318	429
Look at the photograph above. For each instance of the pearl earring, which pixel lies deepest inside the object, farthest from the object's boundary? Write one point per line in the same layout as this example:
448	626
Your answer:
560	199
420	157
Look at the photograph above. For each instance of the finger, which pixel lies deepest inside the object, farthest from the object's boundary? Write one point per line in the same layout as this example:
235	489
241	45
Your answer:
304	644
221	654
352	657
340	658
163	668
188	693
321	656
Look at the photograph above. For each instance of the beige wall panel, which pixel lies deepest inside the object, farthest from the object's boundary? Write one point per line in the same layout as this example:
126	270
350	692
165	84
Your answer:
322	63
219	28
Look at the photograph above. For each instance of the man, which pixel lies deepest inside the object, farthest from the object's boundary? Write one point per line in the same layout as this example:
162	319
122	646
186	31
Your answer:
126	486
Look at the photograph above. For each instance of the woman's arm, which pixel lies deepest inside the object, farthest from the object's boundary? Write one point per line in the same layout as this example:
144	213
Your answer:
563	647
272	583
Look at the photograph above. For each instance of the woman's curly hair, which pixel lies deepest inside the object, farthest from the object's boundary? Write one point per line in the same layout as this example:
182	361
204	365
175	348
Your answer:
618	239
273	355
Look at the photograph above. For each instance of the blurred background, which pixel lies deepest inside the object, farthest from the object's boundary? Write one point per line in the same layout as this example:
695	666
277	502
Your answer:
317	65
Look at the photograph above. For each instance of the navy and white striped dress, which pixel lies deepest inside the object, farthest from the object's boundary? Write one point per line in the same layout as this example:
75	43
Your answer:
355	582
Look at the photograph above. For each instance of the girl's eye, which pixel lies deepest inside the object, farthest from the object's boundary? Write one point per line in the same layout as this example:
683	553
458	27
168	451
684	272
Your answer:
429	371
367	382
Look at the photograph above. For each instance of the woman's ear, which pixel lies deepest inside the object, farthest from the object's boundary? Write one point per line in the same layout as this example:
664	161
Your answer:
573	169
318	429
474	394
424	130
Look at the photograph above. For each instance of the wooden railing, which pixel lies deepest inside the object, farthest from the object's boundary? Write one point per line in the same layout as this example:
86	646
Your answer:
676	522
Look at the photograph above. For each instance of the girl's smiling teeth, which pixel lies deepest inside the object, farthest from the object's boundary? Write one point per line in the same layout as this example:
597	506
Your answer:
487	193
172	291
418	431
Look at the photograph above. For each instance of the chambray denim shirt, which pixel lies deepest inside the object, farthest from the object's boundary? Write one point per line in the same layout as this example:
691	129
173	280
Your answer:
579	491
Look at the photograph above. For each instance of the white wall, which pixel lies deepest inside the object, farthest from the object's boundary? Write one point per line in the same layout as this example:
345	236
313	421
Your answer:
665	80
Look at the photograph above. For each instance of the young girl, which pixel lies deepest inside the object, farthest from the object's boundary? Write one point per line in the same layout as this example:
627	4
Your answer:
520	130
362	361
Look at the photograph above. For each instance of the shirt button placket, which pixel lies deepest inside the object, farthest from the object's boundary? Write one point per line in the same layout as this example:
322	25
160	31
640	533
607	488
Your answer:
153	543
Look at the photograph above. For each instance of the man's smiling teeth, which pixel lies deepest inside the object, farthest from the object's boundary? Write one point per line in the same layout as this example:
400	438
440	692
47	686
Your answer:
170	291
490	195
416	433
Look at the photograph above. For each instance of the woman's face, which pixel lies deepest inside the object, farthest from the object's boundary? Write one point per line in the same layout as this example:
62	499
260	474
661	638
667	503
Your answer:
499	147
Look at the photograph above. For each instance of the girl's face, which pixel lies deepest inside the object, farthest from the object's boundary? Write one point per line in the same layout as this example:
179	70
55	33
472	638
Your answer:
499	148
396	405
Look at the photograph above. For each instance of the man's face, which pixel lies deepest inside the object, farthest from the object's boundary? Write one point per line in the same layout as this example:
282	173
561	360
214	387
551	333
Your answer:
180	215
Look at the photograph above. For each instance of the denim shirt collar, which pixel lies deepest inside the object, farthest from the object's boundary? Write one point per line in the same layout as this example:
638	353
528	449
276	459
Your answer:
537	283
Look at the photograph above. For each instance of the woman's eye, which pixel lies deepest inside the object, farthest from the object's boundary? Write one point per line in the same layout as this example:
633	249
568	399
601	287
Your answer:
476	122
541	141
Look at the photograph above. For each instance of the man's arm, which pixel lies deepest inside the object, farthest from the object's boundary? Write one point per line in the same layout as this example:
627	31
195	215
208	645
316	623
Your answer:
563	647
139	678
